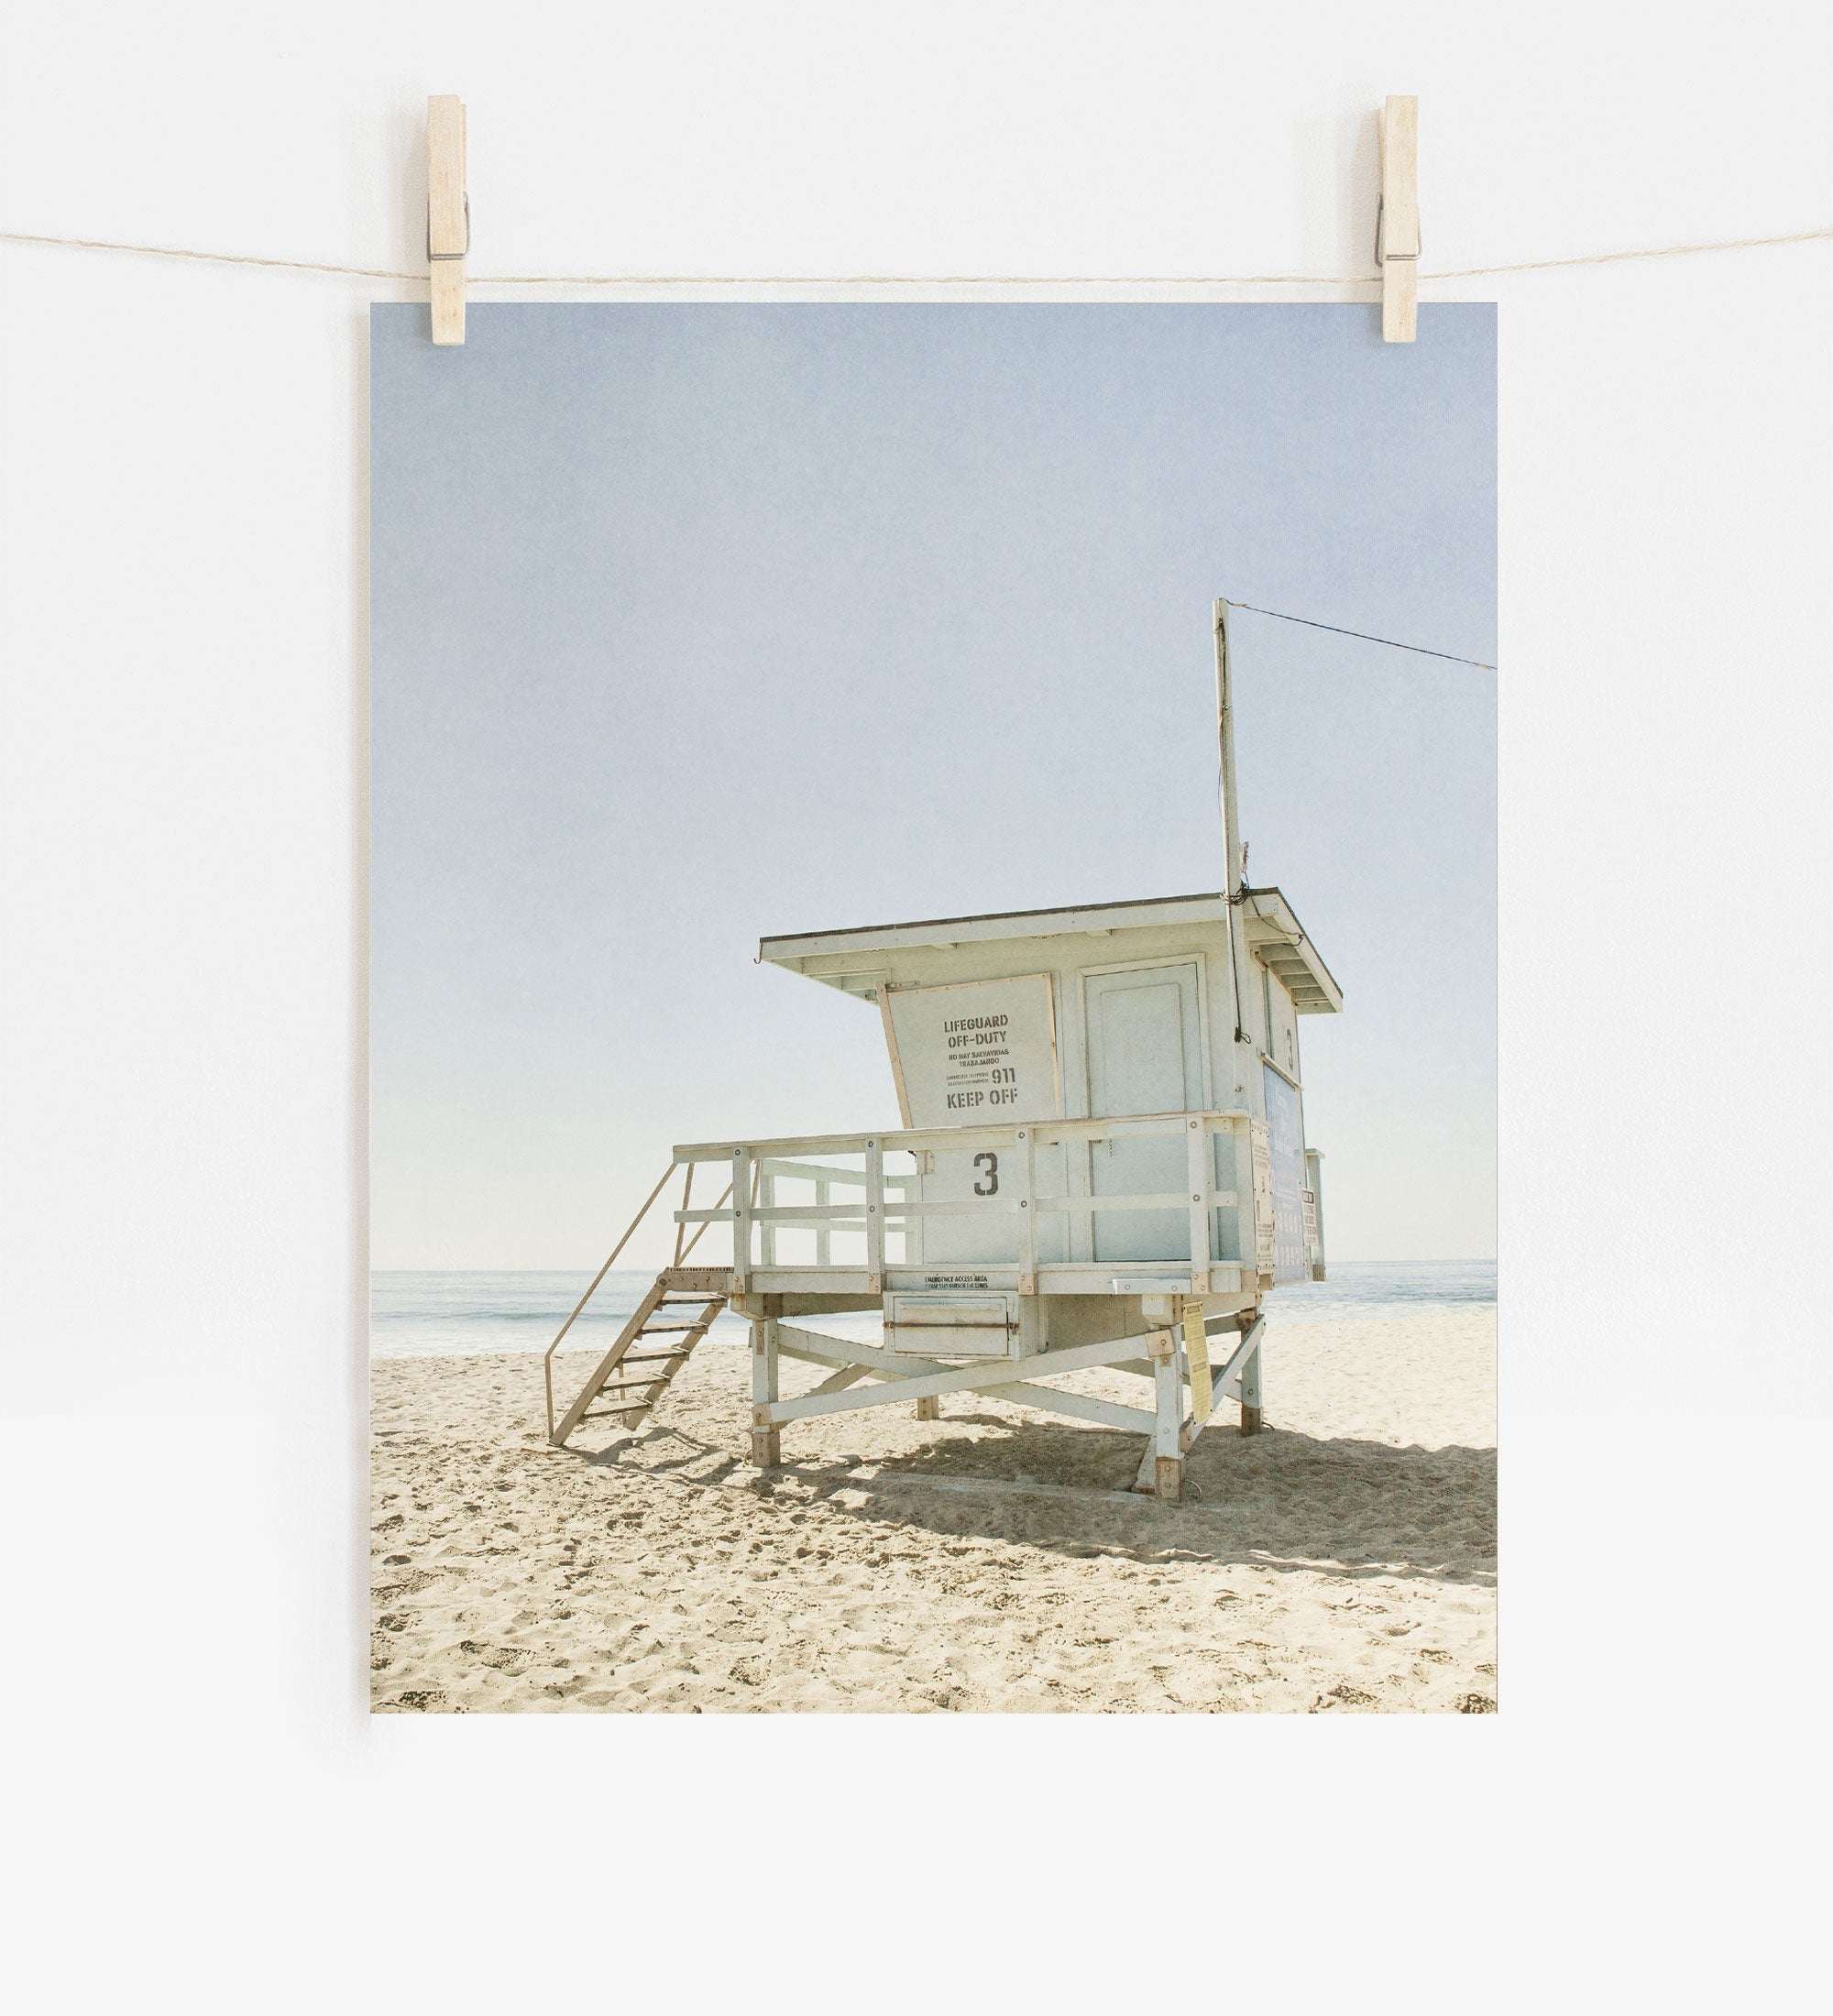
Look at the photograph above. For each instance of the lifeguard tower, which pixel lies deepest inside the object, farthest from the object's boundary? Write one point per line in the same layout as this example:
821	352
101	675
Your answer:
1102	1163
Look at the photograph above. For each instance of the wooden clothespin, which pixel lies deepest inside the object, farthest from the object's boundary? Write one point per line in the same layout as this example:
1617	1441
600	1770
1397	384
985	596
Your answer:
448	216
1396	220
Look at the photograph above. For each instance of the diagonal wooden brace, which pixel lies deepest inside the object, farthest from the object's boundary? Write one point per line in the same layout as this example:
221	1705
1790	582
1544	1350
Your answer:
903	1378
1229	1383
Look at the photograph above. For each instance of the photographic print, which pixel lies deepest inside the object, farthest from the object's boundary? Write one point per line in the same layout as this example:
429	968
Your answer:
933	953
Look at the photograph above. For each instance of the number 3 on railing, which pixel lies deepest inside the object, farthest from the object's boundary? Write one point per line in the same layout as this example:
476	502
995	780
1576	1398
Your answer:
990	1187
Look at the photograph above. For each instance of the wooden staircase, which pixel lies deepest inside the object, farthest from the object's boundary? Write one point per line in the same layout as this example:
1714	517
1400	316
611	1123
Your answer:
677	1312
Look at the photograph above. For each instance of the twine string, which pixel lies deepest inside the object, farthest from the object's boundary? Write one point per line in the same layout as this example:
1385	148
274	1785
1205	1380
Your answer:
903	280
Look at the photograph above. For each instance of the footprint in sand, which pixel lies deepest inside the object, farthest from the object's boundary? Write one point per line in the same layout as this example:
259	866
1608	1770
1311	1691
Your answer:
406	1586
1344	1695
507	1659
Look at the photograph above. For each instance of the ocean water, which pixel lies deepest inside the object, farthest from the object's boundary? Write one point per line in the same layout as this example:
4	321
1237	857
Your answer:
440	1313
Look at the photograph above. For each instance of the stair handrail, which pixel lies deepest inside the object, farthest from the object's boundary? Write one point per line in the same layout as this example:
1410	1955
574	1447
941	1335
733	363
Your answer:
700	1233
547	1363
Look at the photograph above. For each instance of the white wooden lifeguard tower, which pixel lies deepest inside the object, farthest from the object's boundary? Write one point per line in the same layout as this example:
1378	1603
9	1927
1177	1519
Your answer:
1102	1163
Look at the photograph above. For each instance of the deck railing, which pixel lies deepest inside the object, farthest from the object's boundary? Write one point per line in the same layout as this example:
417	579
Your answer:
884	1202
749	1201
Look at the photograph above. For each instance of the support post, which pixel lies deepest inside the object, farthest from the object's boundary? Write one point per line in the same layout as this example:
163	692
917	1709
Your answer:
1028	1212
1167	1453
741	1220
766	1442
930	1409
1250	1385
1198	1172
875	1217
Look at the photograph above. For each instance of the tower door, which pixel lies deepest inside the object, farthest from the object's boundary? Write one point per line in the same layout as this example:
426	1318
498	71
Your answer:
1145	1051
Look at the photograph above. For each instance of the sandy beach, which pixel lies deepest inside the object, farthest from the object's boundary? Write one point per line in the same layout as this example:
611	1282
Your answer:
1343	1560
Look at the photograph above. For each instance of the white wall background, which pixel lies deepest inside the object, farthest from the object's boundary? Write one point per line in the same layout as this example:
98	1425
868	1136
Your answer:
205	1802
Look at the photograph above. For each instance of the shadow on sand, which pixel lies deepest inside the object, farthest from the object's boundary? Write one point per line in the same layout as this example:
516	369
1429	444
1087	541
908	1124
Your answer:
1276	1500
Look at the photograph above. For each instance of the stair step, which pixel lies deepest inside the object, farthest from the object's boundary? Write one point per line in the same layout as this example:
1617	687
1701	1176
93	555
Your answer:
705	1305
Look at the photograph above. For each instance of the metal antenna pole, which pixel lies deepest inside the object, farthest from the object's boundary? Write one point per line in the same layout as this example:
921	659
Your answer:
1231	830
1225	735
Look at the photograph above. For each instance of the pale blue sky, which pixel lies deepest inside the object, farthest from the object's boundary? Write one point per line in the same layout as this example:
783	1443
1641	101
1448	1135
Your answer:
695	623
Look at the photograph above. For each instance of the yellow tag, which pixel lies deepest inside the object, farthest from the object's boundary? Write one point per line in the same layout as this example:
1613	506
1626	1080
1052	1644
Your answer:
1196	1352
